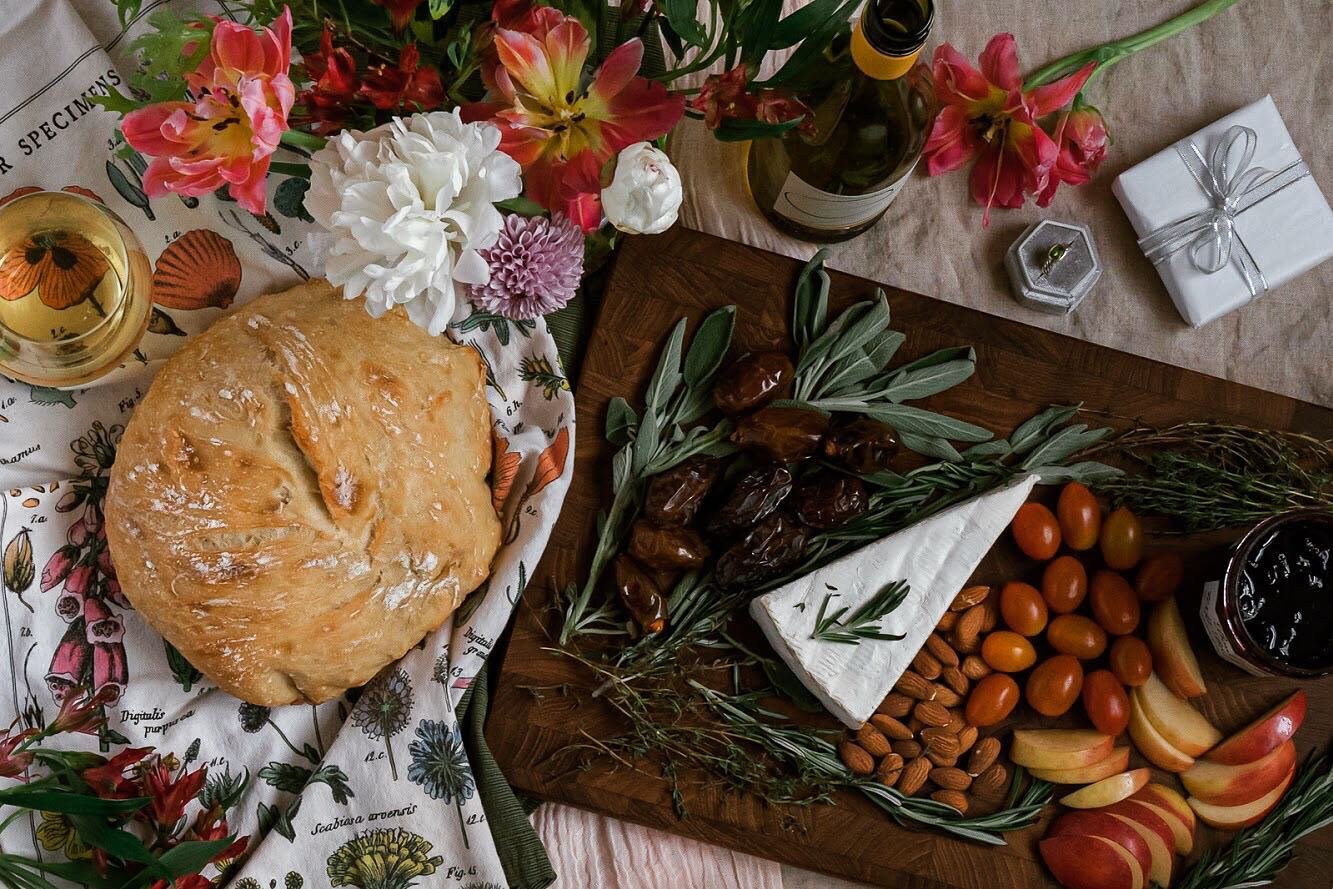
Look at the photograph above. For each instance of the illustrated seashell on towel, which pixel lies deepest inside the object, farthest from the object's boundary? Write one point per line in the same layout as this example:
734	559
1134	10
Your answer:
197	270
302	494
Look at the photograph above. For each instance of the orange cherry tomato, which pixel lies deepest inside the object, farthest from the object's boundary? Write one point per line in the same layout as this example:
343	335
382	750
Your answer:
1160	575
1106	702
1113	603
1036	531
1023	608
1064	583
1131	661
992	699
1054	684
1076	635
1007	652
1122	540
1079	515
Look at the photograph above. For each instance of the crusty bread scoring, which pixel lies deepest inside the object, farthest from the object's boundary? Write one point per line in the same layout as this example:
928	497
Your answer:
302	494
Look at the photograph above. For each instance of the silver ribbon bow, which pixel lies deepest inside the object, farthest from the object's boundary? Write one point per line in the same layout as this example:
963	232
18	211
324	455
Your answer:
1232	187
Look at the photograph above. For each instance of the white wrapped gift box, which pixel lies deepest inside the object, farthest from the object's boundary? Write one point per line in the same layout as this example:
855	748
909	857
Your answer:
1197	206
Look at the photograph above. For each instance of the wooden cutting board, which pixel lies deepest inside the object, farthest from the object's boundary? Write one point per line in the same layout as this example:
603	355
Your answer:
1020	370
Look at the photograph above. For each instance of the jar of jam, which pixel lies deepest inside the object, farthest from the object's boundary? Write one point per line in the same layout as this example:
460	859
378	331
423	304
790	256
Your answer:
1271	612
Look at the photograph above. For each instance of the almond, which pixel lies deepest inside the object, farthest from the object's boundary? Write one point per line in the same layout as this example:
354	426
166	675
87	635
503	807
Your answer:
947	621
992	782
914	776
956	723
937	740
915	724
941	759
891	728
926	664
947	696
957	682
954	798
891	763
966	738
950	778
907	749
872	741
932	713
915	686
895	704
974	668
855	758
983	755
991	614
967	632
888	779
942	651
969	597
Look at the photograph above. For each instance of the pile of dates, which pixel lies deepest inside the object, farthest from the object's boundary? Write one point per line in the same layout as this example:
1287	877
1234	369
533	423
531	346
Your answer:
753	514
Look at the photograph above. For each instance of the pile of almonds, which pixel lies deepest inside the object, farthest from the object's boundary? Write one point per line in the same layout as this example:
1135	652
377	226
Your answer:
918	737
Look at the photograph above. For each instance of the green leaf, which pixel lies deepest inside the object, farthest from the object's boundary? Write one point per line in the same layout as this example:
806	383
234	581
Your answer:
285	776
1089	472
938	357
1031	431
289	199
756	28
439	8
183	671
667	376
522	206
810	307
881	352
681	15
784	681
621	421
116	102
812	47
797	26
997	448
336	779
67	803
917	421
734	129
187	858
1064	444
121	844
709	346
930	446
924	382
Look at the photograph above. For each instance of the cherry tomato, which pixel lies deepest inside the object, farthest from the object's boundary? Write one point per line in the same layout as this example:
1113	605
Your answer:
1007	652
1122	540
1023	608
1080	516
1131	661
992	699
1054	684
1113	603
1064	583
1036	531
1106	702
1160	575
1076	635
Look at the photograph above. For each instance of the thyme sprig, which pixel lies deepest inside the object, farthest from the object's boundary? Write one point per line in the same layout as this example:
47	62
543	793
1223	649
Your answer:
863	623
1256	855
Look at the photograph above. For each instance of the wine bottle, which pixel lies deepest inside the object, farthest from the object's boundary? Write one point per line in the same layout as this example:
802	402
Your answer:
872	107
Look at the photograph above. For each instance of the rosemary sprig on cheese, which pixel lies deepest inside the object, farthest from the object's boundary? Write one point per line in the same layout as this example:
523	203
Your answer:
863	623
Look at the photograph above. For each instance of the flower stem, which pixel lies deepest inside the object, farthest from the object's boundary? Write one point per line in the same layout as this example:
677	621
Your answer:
299	139
301	171
1107	54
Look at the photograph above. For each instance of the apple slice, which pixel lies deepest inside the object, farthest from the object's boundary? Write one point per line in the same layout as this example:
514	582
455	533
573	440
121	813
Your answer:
1163	855
1091	862
1264	735
1117	761
1098	823
1172	657
1150	816
1180	724
1236	817
1108	790
1180	816
1224	785
1156	749
1058	748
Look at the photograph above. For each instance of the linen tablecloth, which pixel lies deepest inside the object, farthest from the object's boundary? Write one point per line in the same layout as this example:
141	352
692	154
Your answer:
373	789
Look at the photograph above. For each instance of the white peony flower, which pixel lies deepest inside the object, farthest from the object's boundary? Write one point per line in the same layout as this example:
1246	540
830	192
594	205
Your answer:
645	192
407	206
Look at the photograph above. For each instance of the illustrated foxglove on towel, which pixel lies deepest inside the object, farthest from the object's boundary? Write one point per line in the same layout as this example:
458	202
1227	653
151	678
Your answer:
1228	213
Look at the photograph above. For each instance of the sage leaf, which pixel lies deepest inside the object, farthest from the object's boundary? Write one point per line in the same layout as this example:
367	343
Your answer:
810	307
940	356
710	345
1064	444
667	376
621	421
918	421
923	382
1031	431
997	448
882	351
1088	472
930	446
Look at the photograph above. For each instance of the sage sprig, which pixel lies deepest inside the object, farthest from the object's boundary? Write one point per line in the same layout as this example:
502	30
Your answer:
863	623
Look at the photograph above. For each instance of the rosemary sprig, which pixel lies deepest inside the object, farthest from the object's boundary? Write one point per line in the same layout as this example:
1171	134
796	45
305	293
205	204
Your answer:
863	623
1256	855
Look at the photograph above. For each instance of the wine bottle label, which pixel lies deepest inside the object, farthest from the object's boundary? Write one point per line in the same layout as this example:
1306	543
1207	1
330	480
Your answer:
806	205
1212	625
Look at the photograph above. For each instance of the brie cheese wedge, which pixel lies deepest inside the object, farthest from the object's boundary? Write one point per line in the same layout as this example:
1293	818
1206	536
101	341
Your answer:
936	556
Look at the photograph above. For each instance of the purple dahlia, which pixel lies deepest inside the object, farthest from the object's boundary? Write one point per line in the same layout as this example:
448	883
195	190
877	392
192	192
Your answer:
536	264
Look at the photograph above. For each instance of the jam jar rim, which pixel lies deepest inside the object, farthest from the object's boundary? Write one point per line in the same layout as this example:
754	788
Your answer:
1227	601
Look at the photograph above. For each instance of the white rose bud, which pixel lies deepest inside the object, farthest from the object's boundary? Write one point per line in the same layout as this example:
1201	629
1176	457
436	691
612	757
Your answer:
645	192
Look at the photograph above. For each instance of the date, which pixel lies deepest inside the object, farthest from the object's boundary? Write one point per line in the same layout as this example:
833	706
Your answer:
752	381
640	595
756	495
863	445
784	434
770	548
830	501
674	497
667	549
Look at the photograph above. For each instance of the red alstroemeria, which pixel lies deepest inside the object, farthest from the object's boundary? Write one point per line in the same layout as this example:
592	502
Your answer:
400	11
190	881
211	824
558	130
228	134
723	96
411	86
82	714
12	764
986	115
109	780
1081	136
327	104
170	794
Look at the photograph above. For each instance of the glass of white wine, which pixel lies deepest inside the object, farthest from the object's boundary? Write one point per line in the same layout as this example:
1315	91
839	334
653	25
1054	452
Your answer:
75	289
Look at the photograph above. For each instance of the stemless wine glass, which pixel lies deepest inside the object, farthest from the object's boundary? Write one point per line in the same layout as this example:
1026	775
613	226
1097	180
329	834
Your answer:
74	289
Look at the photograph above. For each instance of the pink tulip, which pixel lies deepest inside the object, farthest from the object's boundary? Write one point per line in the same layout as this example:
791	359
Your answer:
227	136
1082	136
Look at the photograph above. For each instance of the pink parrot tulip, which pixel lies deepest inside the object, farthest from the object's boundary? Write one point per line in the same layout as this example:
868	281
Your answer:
1081	136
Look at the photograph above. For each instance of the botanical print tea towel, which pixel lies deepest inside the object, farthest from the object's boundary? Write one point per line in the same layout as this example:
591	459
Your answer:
372	790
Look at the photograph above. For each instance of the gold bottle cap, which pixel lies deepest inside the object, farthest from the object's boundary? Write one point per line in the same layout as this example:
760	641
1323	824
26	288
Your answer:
886	54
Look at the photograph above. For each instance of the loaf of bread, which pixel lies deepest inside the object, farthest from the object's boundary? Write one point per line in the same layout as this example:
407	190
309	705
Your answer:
302	494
